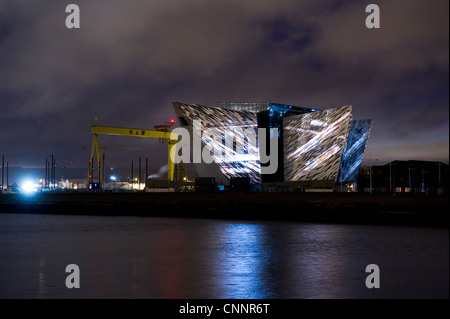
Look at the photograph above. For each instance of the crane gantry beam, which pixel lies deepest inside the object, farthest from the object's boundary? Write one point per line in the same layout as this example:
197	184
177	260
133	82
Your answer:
171	138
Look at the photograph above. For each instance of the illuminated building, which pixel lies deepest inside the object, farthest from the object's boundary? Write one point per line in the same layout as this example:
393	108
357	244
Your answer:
231	126
313	145
354	150
270	115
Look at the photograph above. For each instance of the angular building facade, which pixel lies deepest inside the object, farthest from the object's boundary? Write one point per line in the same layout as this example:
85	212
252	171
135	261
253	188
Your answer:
270	116
313	145
354	150
229	142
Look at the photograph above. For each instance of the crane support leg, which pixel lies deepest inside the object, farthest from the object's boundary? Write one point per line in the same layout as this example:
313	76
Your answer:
172	147
91	162
96	149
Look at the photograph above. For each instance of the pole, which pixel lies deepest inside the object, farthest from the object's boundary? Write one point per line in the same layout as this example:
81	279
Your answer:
49	182
54	172
146	168
51	174
3	169
132	176
48	175
103	170
7	174
139	177
45	178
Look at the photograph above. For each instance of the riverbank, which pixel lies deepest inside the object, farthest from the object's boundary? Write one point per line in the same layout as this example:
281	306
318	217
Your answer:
349	208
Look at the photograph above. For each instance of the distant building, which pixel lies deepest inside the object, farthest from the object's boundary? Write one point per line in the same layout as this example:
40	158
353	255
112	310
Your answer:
405	177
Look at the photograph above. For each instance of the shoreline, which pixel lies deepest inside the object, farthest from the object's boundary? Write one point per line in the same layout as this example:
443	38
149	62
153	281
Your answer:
337	208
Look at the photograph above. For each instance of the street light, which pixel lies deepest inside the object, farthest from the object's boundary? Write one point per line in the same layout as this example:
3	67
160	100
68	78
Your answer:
114	178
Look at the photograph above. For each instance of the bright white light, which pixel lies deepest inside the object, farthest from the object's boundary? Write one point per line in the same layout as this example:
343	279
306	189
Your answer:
29	187
113	178
317	123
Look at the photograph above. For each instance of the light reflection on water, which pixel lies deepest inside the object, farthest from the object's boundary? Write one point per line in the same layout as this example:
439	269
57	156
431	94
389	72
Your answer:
134	257
244	258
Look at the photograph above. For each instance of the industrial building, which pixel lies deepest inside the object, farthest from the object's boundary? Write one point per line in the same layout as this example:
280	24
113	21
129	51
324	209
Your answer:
316	149
398	177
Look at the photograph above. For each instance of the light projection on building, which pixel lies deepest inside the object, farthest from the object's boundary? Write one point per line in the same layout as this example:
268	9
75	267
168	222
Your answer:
229	135
314	143
354	150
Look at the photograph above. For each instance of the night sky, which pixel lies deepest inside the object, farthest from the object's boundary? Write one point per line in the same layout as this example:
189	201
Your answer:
131	59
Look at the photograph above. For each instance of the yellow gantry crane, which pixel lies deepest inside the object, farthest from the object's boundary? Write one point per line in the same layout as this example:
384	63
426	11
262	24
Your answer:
170	138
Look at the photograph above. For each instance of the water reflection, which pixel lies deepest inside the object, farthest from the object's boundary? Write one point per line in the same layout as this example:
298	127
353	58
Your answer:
171	270
282	260
189	258
138	287
319	261
41	278
244	257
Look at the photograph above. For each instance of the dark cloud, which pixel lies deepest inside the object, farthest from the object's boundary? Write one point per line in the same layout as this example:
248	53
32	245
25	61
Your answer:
413	36
131	59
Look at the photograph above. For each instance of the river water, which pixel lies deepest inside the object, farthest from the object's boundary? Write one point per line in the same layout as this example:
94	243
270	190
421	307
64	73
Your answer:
143	257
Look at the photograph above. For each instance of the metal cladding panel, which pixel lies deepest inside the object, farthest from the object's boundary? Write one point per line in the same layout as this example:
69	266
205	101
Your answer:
354	150
233	147
314	143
